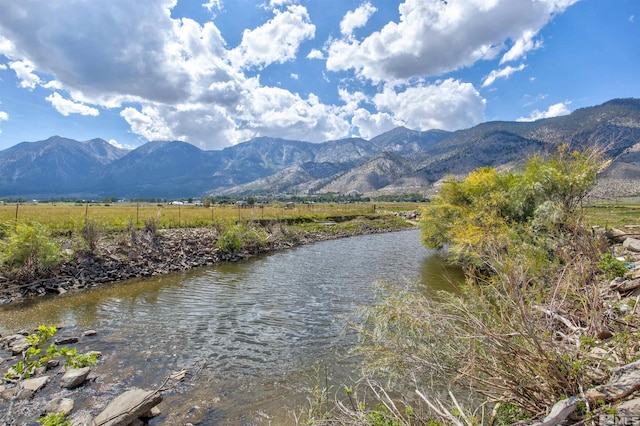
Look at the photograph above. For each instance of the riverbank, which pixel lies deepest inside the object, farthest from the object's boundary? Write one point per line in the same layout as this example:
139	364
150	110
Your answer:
149	251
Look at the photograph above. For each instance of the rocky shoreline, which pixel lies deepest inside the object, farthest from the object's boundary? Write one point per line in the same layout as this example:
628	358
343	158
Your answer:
77	394
146	253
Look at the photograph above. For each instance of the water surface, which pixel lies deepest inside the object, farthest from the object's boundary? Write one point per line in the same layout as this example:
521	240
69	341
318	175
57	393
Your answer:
255	334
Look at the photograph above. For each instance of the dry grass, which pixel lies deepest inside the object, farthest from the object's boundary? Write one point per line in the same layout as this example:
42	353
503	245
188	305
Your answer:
67	216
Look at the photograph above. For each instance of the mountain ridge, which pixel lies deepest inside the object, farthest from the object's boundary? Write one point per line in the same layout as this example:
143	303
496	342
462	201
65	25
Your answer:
400	160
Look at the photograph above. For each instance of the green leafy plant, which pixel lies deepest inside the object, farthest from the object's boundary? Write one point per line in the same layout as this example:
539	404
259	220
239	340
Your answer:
611	266
32	356
54	419
75	360
35	356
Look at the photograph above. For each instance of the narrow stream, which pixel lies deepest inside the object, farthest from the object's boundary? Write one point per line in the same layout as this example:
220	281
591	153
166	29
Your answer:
255	335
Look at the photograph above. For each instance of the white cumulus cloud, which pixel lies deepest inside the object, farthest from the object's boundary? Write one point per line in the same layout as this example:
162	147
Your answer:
276	41
522	45
66	106
213	5
356	19
315	54
371	125
446	105
3	117
119	145
272	111
433	37
555	110
25	72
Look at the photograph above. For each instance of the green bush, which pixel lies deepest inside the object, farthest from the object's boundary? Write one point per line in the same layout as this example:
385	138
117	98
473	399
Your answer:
30	249
495	212
238	238
231	240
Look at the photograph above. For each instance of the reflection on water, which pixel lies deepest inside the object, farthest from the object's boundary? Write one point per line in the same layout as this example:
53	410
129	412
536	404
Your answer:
253	330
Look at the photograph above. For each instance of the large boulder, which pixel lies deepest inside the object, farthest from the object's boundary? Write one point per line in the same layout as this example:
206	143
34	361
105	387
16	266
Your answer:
128	408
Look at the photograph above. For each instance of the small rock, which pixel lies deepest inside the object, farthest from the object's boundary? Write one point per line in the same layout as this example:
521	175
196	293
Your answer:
31	386
604	334
74	377
82	418
560	411
629	409
67	340
7	393
18	345
616	235
154	412
59	405
598	353
632	244
89	333
52	363
97	354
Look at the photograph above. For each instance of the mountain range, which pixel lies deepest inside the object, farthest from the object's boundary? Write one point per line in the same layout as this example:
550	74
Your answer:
398	161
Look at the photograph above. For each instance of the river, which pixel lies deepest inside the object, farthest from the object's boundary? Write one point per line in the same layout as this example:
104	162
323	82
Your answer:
255	335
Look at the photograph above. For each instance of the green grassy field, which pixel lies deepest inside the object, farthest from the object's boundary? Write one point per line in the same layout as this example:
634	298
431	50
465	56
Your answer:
68	216
614	215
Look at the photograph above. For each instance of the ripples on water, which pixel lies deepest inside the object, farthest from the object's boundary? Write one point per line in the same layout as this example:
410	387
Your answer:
254	329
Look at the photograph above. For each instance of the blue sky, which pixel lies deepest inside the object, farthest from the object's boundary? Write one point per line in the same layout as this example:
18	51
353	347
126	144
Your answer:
218	72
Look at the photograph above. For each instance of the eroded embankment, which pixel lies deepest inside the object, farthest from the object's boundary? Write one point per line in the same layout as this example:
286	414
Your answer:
143	253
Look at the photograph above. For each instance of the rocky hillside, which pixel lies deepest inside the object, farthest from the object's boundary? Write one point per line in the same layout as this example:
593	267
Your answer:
397	161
